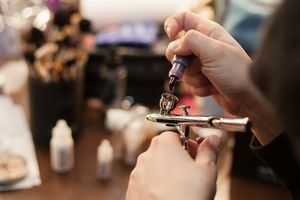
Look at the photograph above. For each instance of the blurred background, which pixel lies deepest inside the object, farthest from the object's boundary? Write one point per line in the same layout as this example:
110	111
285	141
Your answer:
77	78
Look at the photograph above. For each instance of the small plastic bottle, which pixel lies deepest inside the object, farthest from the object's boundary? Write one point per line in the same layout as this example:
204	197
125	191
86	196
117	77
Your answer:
2	84
62	147
104	160
133	138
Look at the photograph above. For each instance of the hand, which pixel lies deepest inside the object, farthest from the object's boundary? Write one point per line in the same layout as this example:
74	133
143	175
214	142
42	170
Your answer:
221	62
167	171
221	69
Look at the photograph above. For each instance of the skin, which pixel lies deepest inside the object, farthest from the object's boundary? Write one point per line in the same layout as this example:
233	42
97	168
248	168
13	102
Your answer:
167	171
221	69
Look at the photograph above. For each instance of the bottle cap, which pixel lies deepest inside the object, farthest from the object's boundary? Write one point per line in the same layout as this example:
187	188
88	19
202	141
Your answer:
105	151
61	129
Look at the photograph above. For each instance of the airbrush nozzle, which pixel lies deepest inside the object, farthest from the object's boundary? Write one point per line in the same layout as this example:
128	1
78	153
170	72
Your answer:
180	63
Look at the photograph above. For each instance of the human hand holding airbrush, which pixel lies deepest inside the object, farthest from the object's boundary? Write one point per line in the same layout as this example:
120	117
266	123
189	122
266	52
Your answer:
220	68
219	61
167	171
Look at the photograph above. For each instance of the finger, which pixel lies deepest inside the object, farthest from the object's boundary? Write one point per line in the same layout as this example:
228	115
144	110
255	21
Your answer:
192	145
208	151
194	42
173	45
205	90
171	27
170	136
195	65
167	144
178	44
186	21
197	79
163	138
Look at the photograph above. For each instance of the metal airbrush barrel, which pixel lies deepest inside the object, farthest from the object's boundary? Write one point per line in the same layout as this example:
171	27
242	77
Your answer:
232	124
227	124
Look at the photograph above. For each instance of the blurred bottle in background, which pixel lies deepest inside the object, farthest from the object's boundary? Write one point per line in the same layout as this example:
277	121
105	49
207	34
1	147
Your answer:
62	147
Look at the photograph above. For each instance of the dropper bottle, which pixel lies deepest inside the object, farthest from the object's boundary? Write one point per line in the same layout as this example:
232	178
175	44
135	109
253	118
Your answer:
62	147
104	160
179	64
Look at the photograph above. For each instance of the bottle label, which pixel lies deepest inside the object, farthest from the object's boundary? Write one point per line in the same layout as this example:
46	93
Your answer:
104	171
65	159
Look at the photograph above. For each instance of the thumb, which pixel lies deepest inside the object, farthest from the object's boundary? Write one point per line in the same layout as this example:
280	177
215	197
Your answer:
207	152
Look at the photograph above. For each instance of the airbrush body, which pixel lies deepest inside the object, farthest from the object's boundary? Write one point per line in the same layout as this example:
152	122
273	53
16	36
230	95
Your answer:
168	103
227	124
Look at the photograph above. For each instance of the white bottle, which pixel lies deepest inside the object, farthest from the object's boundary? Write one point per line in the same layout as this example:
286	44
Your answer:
62	147
133	137
2	84
104	160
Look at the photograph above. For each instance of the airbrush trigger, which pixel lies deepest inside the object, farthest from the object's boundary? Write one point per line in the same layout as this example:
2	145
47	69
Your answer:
167	104
185	129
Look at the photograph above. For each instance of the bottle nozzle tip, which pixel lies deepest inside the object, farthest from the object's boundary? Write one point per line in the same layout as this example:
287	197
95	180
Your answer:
172	82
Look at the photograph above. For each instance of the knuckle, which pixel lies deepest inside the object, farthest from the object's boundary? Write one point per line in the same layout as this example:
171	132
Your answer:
211	164
223	47
217	26
141	158
155	141
208	164
133	175
163	139
190	36
217	31
176	17
167	136
169	55
166	23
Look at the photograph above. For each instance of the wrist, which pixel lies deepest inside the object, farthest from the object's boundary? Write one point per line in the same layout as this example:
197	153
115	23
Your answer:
266	122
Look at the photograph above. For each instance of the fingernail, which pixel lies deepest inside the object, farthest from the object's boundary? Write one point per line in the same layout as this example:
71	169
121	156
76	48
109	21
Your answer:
168	31
214	141
173	45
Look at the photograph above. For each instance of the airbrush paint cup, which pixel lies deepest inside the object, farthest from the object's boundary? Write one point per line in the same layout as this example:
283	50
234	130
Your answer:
167	103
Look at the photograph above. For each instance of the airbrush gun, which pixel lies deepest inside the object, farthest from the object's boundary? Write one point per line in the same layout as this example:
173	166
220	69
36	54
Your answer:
168	103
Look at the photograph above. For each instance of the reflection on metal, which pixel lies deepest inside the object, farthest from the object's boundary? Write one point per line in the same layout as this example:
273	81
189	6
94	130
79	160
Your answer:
168	103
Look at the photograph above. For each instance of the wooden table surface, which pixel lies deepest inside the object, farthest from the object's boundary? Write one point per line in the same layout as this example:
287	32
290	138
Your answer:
81	182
